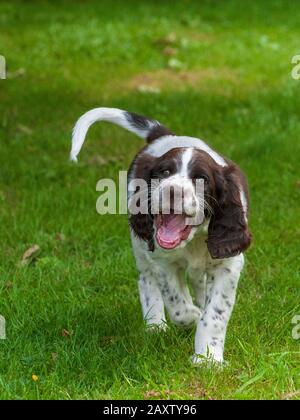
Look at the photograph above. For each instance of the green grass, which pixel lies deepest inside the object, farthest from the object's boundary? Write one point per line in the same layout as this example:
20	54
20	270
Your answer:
236	91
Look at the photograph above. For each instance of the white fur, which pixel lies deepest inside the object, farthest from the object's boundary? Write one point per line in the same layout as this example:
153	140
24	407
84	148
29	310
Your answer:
113	115
164	144
152	303
164	285
185	160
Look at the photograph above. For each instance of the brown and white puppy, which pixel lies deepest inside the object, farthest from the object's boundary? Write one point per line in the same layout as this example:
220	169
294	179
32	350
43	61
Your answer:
166	246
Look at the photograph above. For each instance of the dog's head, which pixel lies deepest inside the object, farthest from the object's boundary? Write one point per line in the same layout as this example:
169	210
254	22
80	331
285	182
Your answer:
187	187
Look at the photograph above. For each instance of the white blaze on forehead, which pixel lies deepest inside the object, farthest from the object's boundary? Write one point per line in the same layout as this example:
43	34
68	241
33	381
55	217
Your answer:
164	144
185	160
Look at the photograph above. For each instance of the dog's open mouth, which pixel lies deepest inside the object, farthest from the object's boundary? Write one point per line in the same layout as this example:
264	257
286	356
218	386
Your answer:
171	229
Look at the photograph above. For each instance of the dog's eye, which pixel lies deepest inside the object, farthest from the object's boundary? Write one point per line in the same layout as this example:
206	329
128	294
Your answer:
166	173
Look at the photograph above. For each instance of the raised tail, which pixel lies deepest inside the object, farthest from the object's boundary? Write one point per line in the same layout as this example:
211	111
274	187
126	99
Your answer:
141	126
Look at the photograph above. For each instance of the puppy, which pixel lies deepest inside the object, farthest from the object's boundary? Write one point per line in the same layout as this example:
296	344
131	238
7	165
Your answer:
168	248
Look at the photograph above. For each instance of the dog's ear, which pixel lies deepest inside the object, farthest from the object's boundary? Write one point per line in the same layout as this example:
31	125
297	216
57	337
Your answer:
228	233
142	224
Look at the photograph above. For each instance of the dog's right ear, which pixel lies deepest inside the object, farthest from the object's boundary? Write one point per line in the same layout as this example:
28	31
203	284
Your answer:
141	223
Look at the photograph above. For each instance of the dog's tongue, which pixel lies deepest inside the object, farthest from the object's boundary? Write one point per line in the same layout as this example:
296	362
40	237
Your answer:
170	232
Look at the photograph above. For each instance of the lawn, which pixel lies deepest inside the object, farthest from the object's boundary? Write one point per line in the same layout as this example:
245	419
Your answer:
217	70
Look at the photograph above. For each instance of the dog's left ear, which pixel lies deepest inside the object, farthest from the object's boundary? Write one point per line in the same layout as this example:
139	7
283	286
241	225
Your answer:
228	233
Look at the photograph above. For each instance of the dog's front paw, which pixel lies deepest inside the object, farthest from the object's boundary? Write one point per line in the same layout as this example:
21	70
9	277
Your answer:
157	327
210	360
186	316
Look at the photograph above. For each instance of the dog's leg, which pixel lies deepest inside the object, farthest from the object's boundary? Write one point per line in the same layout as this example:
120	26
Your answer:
198	282
150	295
152	302
222	281
177	297
163	285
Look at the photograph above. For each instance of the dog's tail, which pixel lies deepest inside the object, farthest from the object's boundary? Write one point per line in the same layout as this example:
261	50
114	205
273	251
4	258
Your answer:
144	127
